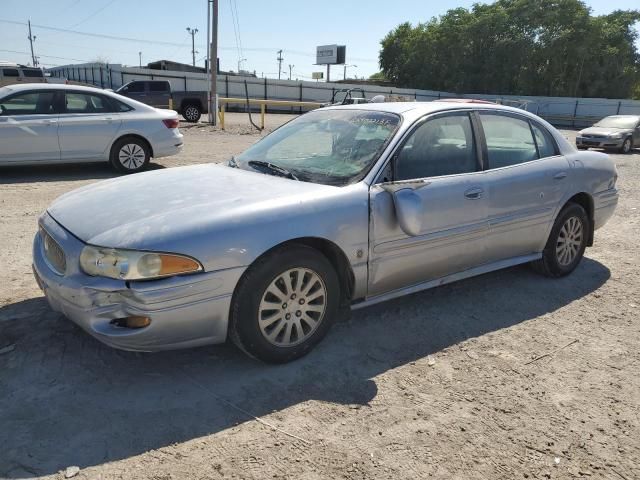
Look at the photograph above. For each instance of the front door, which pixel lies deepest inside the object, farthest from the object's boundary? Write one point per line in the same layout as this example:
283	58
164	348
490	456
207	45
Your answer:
439	161
88	126
29	128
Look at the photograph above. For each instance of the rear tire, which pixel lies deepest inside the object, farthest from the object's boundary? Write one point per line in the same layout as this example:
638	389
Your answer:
130	155
284	304
566	244
627	145
192	113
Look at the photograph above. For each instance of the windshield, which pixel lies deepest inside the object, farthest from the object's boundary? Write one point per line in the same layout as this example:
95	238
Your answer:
331	147
618	122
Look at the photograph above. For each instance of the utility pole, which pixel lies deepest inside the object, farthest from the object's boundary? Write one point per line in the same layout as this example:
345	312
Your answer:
32	38
192	32
140	55
280	60
213	63
290	67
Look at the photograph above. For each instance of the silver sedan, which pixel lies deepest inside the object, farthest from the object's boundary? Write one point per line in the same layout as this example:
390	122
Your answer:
46	123
343	207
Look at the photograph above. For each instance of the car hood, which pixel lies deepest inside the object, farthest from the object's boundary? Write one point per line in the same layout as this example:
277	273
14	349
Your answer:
604	132
146	210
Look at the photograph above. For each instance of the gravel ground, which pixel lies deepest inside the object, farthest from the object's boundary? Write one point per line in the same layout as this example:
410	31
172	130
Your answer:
508	375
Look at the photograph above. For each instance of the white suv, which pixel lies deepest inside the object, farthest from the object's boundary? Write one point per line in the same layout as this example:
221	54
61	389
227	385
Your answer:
13	73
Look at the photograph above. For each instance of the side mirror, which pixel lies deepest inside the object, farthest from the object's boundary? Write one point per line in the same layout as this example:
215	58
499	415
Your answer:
408	206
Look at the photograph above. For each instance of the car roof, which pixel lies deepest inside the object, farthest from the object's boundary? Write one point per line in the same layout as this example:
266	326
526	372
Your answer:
624	116
413	109
51	86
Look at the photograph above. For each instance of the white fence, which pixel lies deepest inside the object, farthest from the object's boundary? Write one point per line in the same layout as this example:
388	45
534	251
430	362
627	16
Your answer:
565	111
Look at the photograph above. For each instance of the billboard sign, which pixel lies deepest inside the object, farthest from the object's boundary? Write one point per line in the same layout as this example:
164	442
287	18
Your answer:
330	54
317	75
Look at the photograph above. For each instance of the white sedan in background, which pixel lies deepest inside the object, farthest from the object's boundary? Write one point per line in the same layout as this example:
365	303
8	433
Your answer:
44	123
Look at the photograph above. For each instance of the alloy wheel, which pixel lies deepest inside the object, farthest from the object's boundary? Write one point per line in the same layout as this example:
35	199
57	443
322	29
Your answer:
569	241
191	114
292	307
131	156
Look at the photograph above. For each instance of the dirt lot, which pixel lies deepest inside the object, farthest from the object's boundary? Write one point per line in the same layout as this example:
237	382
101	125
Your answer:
508	375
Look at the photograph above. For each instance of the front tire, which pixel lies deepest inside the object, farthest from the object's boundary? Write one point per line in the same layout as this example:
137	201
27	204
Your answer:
130	155
285	304
627	145
566	244
192	113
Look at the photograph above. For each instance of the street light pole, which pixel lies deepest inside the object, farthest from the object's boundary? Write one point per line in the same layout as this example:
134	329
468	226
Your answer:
192	32
345	70
213	64
140	55
290	68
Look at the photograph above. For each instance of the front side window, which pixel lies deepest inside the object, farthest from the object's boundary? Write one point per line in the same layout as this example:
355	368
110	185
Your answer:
134	87
86	103
331	147
32	103
509	140
441	146
10	72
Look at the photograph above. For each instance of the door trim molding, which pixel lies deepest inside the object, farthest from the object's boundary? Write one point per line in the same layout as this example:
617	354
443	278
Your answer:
472	272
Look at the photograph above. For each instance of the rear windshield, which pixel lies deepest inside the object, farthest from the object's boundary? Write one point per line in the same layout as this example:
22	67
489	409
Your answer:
618	122
32	72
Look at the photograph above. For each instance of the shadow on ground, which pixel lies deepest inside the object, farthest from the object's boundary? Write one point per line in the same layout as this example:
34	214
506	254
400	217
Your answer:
61	173
68	400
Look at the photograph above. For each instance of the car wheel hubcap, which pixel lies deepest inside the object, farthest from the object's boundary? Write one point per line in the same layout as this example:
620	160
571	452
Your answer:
292	307
627	146
191	113
131	156
569	241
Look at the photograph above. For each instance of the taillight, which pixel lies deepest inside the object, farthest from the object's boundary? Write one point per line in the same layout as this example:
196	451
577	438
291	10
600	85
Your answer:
171	123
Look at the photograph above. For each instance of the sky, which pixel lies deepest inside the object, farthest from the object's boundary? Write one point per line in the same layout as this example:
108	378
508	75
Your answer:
250	31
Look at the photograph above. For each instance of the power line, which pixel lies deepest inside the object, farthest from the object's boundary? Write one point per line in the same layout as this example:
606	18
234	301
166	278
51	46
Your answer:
93	14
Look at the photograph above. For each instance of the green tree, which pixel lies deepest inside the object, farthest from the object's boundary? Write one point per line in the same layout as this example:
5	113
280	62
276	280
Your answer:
524	47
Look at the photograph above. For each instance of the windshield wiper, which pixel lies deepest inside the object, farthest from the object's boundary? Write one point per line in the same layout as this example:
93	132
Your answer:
283	172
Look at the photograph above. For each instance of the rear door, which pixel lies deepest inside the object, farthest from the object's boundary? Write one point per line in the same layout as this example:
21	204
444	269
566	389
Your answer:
29	127
88	126
159	94
526	178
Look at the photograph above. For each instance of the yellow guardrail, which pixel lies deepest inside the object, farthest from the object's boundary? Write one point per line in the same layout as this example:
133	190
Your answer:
224	101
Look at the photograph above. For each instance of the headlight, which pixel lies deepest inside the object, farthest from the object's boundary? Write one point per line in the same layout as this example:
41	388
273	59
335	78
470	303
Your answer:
616	135
132	265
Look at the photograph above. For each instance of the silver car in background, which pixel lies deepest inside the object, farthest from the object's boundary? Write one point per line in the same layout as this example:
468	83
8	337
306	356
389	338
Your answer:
342	207
620	132
44	123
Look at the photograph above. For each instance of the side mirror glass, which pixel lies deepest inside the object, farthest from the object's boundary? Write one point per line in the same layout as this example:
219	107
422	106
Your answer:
408	206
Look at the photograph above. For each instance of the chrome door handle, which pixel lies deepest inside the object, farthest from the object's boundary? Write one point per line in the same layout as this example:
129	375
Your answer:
560	175
474	193
108	119
50	122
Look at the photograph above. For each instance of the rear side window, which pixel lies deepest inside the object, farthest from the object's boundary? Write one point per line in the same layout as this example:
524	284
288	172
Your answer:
10	72
120	106
32	72
509	140
546	144
87	103
32	103
158	87
441	146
